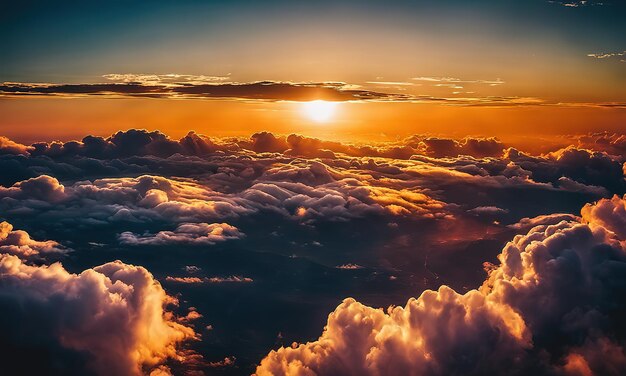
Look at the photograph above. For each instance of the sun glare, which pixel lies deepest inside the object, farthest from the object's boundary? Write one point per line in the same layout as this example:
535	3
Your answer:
319	110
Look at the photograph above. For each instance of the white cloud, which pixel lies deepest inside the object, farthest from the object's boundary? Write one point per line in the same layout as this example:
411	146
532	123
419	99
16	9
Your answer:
114	314
551	307
19	243
185	233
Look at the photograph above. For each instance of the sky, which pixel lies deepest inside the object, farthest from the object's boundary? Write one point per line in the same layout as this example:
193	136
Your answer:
324	188
449	67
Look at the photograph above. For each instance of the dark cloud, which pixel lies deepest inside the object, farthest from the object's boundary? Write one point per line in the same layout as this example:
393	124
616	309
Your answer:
581	165
262	90
267	142
128	143
267	91
445	147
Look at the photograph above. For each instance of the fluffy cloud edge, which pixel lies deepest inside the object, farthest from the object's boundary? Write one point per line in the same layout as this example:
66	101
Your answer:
116	313
497	328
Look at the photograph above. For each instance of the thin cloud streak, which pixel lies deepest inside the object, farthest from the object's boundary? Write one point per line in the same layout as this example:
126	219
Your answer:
578	4
452	80
609	55
164	87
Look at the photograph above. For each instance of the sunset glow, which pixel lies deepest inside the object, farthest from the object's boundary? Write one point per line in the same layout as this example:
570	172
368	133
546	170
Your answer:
313	188
319	111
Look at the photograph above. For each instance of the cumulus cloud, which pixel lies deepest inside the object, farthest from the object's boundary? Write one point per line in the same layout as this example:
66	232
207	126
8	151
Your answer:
292	179
611	143
608	214
593	169
309	192
573	270
445	147
19	243
132	142
8	146
43	188
137	142
106	320
146	198
186	233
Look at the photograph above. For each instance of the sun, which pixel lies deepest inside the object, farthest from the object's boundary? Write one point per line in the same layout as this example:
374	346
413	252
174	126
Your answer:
319	110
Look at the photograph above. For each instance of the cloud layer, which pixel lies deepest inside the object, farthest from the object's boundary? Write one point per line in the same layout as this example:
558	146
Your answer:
553	306
256	235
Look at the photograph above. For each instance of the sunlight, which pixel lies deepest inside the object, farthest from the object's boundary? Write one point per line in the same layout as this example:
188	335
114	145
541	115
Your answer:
319	110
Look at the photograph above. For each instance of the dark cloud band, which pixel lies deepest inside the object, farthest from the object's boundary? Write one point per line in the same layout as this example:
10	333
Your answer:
269	91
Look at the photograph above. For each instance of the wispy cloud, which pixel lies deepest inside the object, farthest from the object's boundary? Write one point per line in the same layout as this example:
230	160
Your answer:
171	78
390	83
452	80
452	86
609	55
194	280
578	4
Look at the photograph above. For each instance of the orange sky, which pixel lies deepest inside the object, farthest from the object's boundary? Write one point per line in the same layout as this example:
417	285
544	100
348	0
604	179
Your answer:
37	119
553	68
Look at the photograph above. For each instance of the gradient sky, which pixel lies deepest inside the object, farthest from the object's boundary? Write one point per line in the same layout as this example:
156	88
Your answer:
313	188
533	57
